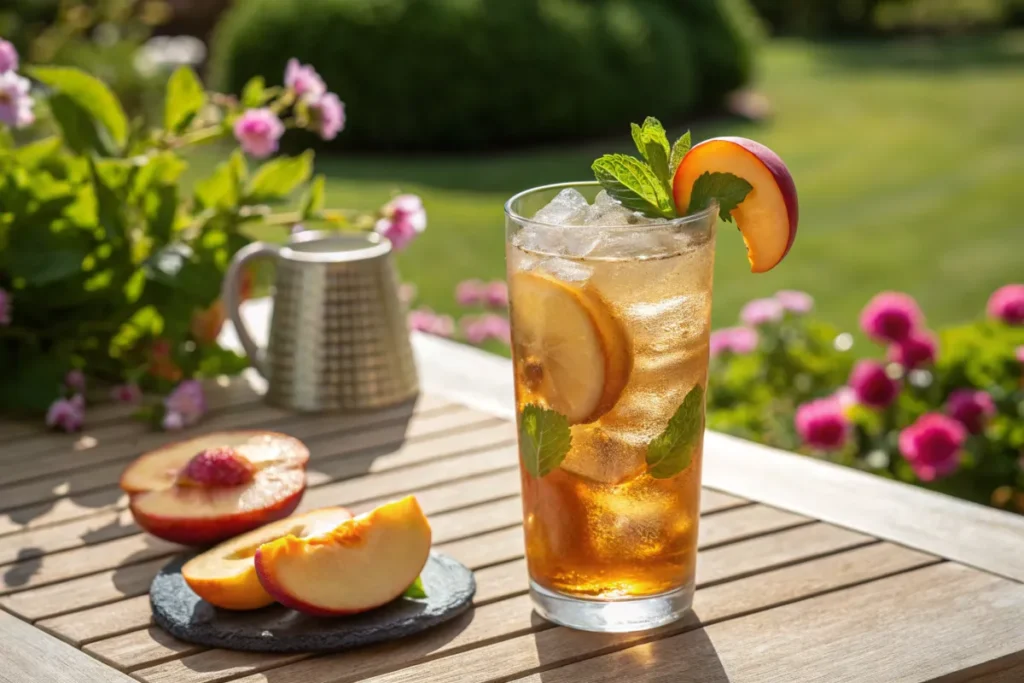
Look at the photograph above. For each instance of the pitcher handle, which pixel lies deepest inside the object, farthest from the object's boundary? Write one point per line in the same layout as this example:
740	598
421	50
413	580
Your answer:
232	298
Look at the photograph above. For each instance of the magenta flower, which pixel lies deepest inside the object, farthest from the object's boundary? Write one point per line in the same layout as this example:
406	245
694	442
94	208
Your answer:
425	320
8	57
478	329
258	132
890	317
972	408
187	402
327	114
932	445
1007	304
15	102
496	294
126	393
303	80
738	340
402	219
872	386
470	292
795	301
822	424
67	414
5	308
75	380
761	311
917	349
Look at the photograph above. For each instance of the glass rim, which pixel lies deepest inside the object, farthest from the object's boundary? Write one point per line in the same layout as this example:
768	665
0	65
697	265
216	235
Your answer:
698	217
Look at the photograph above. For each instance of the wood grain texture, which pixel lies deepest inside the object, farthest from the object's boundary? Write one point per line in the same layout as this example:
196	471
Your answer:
28	655
916	626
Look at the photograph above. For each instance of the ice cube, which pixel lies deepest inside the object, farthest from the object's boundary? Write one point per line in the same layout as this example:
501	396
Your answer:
605	456
565	270
563	209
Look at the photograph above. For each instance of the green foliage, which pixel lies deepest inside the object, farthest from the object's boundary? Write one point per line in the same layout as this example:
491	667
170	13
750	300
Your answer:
544	439
185	97
671	452
634	184
437	74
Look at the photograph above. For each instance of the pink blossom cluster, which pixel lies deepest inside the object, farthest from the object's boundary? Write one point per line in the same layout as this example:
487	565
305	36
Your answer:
744	339
493	294
895	319
478	329
426	320
401	220
185	405
1007	304
16	103
737	340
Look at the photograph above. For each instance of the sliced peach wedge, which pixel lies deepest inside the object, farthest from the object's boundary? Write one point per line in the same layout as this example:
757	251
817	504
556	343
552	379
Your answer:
362	563
225	575
767	217
210	488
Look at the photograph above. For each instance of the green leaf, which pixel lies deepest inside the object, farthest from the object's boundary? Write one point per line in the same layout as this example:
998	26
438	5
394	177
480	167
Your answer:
254	92
81	132
35	153
634	185
31	380
221	189
670	452
652	141
185	98
415	590
217	361
679	150
161	208
90	93
313	200
109	206
278	178
544	439
728	189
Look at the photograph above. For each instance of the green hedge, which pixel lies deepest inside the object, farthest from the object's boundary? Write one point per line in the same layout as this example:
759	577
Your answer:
459	74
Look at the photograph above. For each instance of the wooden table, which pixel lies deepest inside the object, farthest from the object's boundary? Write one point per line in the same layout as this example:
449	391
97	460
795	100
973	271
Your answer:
807	572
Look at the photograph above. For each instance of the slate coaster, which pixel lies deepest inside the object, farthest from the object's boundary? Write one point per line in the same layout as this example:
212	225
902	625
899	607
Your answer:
179	611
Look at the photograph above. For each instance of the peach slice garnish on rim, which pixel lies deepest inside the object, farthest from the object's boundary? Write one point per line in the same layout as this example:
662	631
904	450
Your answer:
767	218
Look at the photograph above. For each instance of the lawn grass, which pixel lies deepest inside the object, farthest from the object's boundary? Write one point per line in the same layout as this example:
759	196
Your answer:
908	157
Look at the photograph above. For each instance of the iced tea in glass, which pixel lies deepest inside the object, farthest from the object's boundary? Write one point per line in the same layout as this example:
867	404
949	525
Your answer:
610	316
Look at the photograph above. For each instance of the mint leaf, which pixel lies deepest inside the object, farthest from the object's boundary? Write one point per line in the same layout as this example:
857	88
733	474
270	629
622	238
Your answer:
652	143
634	185
415	590
670	452
679	150
727	188
184	99
544	439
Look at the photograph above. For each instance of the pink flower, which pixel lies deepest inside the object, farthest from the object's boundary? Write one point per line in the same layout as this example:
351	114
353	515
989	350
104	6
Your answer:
75	380
1007	304
795	301
972	408
173	422
258	132
126	393
845	397
761	311
917	349
932	445
15	102
470	292
739	340
822	424
872	385
327	114
8	57
187	401
425	320
890	317
402	219
1020	354
478	329
303	80
5	308
496	294
66	413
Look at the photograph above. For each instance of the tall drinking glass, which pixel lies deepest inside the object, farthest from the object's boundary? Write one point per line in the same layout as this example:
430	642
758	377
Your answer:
610	326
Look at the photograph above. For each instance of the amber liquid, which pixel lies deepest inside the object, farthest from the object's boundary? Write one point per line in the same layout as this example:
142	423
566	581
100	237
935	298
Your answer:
599	526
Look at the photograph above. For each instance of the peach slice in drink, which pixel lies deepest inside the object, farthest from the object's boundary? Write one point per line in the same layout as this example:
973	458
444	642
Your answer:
571	353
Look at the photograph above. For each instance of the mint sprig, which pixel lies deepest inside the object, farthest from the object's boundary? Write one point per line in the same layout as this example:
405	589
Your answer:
671	452
652	143
415	590
679	150
727	189
544	439
634	185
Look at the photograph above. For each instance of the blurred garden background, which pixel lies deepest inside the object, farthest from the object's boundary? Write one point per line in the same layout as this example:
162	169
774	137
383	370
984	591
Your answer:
902	122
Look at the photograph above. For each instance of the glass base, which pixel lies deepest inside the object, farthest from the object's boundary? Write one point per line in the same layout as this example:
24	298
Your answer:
607	616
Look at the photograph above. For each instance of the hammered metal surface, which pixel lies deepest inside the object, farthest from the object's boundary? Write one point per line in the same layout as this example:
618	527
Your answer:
338	336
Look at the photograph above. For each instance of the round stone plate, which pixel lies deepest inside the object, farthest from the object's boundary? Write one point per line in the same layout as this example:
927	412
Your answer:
186	616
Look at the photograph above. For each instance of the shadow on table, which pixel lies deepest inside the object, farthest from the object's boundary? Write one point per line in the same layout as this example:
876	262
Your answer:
688	656
27	563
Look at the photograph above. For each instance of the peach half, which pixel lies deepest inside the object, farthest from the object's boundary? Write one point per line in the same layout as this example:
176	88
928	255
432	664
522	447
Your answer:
225	575
210	488
363	563
767	218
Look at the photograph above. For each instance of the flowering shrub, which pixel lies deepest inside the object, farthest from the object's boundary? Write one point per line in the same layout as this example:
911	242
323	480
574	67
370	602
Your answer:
110	266
485	323
944	409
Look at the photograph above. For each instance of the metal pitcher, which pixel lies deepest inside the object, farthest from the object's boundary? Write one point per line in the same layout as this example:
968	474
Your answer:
338	338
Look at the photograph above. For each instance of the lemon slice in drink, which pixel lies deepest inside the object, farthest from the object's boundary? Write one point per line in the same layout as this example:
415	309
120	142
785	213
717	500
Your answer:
571	353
